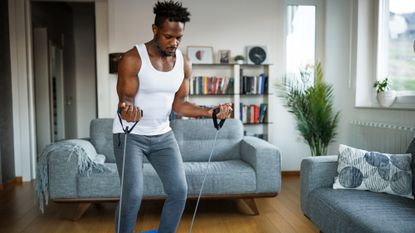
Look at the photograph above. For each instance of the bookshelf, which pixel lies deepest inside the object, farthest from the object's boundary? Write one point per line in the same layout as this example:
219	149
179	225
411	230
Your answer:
244	85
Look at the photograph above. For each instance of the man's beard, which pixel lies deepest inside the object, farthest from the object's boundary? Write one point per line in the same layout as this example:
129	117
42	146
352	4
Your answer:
168	53
171	51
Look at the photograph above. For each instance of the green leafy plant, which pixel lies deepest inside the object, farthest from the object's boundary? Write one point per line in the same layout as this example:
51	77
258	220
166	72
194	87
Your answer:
382	85
312	108
239	58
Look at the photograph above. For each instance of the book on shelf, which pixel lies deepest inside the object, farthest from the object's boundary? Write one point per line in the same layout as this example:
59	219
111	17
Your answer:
205	85
263	113
253	114
254	85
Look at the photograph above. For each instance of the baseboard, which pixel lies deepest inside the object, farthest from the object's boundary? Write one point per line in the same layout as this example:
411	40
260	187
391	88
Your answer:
290	173
15	180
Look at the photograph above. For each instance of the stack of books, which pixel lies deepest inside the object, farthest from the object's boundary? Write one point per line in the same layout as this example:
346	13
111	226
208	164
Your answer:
204	85
254	85
253	114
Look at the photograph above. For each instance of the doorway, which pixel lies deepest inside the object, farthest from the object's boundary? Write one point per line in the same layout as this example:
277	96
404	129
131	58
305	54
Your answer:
64	64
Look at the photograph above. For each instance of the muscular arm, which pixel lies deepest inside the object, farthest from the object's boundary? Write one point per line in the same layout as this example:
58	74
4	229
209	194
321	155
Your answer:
127	85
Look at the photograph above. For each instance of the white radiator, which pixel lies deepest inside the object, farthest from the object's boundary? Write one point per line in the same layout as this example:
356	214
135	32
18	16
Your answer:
382	137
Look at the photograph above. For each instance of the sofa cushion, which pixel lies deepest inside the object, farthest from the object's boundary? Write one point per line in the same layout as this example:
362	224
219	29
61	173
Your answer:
361	211
105	184
101	138
108	184
411	149
225	177
374	171
196	139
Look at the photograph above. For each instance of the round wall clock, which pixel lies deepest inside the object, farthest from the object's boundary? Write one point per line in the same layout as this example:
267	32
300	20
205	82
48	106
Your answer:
256	54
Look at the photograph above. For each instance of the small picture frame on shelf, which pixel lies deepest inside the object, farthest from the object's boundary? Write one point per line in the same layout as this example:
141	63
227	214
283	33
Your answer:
200	54
113	62
224	56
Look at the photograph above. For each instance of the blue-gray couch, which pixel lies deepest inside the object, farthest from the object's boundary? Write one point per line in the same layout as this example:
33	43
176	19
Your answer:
352	211
242	167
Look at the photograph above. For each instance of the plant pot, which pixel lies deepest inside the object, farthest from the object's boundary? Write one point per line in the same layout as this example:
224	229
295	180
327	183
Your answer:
386	98
240	61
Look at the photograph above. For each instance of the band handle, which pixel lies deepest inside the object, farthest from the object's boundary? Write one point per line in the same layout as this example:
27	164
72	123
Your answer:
126	129
216	124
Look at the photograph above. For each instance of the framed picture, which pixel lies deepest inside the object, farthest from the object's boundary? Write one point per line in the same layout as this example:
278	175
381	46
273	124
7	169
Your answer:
200	54
224	56
113	62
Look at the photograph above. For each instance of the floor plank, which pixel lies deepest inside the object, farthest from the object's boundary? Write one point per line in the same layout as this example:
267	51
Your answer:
281	214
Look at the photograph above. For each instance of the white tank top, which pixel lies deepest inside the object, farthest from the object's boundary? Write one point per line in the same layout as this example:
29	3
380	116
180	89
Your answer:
155	95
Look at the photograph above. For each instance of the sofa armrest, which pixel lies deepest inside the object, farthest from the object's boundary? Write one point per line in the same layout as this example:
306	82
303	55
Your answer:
316	172
67	159
63	169
265	158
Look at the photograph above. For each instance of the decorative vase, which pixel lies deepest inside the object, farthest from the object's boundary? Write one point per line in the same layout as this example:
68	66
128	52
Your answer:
386	98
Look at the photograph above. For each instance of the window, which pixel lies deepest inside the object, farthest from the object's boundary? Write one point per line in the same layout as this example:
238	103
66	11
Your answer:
300	52
396	47
384	38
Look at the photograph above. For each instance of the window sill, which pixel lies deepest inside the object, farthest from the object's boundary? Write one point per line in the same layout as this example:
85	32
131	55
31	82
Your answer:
402	103
396	106
393	107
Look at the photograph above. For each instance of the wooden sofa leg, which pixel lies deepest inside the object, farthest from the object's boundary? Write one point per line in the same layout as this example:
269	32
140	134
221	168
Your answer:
250	203
80	211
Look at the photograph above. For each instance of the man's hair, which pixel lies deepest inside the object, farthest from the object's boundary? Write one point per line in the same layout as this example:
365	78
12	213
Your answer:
170	10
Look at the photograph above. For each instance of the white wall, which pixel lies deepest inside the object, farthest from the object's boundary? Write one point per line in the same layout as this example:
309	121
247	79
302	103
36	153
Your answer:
101	39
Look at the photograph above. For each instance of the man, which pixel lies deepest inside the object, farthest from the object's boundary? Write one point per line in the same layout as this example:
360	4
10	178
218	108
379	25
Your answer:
154	77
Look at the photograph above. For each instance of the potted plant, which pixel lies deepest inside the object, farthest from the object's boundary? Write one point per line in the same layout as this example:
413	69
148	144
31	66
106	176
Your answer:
385	96
239	59
313	111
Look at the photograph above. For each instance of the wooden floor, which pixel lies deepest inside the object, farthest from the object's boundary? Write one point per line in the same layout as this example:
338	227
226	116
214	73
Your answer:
278	214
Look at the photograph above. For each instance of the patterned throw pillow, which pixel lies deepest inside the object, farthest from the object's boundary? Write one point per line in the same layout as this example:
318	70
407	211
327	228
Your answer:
374	171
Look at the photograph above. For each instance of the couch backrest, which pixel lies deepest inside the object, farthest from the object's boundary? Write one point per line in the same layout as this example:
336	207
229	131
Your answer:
101	137
411	149
196	138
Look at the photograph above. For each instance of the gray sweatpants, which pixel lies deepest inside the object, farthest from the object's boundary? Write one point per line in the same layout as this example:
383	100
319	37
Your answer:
163	153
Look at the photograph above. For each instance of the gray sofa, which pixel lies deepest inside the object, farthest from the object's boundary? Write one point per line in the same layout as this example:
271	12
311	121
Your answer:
242	167
351	211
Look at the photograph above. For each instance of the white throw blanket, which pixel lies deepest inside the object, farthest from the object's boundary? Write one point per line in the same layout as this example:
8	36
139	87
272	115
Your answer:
85	154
